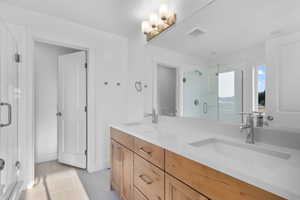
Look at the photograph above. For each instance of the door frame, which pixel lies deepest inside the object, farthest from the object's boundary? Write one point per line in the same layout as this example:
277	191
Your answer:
90	93
86	90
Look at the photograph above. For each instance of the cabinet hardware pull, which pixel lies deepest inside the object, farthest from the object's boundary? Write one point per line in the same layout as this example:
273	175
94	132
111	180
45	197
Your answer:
205	108
146	179
147	152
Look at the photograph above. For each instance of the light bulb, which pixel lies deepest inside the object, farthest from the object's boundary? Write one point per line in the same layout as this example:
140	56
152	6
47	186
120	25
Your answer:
171	17
171	13
146	28
153	19
163	11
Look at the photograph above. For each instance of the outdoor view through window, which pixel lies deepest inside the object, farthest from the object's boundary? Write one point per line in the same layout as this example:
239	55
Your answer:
260	88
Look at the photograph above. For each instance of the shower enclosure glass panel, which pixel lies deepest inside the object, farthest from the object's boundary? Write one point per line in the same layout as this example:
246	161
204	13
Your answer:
214	93
200	92
8	112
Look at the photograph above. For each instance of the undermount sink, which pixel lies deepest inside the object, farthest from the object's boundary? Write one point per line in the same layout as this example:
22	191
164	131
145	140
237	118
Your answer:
241	152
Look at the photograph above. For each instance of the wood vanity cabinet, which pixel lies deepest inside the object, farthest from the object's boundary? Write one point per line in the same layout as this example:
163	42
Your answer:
143	171
122	170
212	183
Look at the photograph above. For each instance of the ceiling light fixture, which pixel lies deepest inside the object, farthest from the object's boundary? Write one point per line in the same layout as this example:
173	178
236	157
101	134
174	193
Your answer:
158	23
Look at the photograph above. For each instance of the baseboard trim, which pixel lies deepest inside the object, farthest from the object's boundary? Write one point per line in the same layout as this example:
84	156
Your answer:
46	157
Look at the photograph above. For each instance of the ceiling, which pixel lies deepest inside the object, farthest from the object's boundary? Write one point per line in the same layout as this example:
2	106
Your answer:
229	25
232	25
122	17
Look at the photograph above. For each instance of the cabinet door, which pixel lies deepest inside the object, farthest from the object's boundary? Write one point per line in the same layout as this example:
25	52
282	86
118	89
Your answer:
127	174
138	195
282	80
175	190
116	165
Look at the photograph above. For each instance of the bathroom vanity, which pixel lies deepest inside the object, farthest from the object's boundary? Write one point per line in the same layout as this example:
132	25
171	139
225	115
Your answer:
151	164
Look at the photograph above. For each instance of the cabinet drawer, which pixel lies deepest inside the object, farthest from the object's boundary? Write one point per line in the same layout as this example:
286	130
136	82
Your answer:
150	152
149	179
138	195
177	190
212	183
122	138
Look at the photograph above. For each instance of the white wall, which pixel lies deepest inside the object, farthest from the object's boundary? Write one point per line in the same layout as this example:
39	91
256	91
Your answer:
46	75
107	59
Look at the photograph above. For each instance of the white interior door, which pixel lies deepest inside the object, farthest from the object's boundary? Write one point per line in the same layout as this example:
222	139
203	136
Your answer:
282	81
8	113
71	109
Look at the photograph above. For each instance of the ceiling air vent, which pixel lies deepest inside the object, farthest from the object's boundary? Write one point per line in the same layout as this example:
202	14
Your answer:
196	32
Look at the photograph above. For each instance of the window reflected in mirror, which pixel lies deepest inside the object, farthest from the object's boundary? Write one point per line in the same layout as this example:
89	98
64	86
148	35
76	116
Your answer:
259	88
230	94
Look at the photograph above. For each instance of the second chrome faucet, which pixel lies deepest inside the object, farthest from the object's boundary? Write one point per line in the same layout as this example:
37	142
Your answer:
154	116
249	127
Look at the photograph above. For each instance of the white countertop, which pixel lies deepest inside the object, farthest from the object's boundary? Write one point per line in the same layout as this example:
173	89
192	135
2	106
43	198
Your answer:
279	176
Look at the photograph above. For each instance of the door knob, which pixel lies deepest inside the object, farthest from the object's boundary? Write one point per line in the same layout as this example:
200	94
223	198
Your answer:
59	114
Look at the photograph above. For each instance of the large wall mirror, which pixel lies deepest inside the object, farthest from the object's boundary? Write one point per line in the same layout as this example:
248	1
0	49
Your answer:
245	58
211	92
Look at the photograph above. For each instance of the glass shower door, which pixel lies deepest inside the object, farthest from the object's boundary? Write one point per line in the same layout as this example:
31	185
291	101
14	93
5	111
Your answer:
213	93
200	90
8	113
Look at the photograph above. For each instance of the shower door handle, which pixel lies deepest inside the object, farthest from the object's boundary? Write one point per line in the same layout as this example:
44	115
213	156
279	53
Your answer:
2	164
205	108
8	114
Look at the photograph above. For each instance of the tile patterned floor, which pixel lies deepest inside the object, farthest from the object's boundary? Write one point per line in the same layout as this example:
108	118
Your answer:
55	181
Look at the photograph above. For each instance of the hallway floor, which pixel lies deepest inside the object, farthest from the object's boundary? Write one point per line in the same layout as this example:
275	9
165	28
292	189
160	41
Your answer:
55	181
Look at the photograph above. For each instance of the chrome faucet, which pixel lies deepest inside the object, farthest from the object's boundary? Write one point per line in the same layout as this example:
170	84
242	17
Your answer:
249	126
154	116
